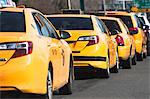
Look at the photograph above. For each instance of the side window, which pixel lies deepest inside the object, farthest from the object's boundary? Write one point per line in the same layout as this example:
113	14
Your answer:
103	25
42	29
38	26
138	21
100	24
52	32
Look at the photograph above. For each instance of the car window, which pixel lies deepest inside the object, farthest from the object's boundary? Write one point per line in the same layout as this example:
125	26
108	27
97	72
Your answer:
138	21
126	19
41	26
126	28
38	25
142	19
112	25
71	23
148	16
12	21
101	25
52	32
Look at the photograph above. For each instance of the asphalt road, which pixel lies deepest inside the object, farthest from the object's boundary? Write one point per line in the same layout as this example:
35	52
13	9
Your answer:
127	84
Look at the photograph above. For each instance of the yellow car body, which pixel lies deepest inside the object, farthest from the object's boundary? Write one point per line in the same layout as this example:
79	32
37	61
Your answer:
26	55
127	49
132	22
99	52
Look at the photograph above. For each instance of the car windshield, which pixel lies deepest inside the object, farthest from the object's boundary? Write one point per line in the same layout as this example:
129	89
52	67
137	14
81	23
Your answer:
12	21
126	19
112	25
72	23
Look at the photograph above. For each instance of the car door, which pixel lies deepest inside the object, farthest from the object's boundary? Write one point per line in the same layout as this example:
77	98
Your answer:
54	50
61	51
111	43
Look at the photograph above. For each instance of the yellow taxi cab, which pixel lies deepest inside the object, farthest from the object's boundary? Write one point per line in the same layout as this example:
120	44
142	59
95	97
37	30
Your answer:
33	57
135	28
126	43
91	44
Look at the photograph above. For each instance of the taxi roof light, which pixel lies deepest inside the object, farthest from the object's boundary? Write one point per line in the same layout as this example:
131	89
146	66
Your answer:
72	11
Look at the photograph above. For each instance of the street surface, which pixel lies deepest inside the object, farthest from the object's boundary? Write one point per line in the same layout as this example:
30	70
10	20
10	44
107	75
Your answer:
127	84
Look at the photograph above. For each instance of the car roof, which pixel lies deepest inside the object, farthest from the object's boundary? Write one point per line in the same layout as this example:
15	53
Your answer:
69	15
109	18
14	9
119	13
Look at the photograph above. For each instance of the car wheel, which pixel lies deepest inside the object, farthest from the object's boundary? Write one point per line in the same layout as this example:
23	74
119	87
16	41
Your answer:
49	93
148	48
144	55
116	67
139	56
125	64
134	60
67	89
102	73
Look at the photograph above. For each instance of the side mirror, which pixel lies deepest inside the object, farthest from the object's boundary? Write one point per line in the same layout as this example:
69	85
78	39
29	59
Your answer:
114	32
133	31
64	34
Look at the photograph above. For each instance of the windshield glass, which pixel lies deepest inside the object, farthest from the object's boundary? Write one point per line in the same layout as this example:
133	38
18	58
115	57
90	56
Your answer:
72	23
12	21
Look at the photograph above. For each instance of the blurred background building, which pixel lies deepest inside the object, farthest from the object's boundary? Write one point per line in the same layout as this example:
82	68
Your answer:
55	6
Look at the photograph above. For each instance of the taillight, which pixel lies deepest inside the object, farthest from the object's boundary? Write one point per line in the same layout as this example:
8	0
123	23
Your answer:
92	39
133	30
21	48
119	40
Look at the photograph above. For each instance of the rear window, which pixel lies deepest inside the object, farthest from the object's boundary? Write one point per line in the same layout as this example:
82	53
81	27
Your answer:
126	19
112	25
71	23
12	21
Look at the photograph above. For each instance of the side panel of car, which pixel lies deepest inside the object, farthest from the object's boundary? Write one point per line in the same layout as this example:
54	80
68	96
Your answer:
55	51
110	43
139	36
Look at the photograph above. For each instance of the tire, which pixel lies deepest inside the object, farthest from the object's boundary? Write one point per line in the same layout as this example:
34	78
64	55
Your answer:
148	48
67	88
134	60
114	69
125	64
144	55
102	73
139	56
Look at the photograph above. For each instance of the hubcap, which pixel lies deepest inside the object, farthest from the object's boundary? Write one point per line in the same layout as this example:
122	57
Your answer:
49	86
108	70
108	64
117	60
